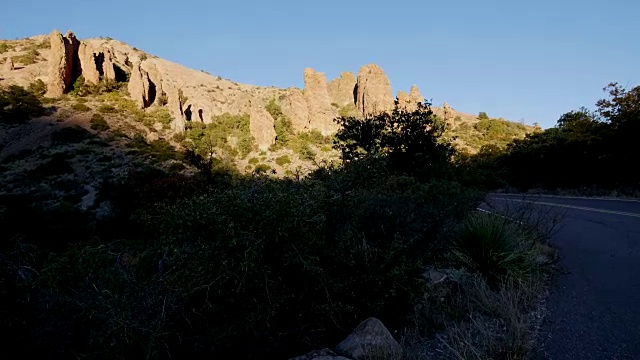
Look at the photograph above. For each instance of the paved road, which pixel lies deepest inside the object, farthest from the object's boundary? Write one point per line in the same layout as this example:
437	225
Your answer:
594	305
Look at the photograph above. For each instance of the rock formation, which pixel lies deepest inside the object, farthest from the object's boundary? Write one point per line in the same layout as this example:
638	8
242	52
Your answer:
294	107
139	86
108	69
321	113
373	91
414	94
88	67
64	50
341	89
261	126
8	65
409	101
370	340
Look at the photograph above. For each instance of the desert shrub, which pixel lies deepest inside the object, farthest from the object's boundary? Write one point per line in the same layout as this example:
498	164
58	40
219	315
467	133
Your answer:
81	107
283	160
261	169
494	247
70	135
347	110
18	105
212	140
29	58
38	87
4	47
254	160
98	123
82	88
282	261
162	99
107	109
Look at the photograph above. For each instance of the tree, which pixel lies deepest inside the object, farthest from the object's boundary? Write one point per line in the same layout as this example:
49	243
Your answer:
409	140
483	116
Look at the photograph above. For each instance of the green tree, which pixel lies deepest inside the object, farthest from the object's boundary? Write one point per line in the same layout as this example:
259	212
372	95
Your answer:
410	140
483	116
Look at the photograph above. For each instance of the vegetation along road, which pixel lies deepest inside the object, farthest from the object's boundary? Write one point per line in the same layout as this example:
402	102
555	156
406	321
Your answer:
594	305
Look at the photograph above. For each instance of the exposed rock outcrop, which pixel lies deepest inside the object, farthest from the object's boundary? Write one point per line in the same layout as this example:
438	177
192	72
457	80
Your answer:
415	95
8	65
321	113
62	59
324	354
373	91
88	66
108	69
370	340
139	86
409	101
341	89
294	107
261	126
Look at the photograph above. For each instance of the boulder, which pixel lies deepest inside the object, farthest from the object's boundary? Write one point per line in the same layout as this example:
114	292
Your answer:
341	89
261	125
373	91
324	354
316	94
88	66
8	65
61	63
294	106
370	340
139	86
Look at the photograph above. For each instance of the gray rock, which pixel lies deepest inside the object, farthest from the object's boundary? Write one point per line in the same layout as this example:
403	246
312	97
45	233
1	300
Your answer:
370	340
324	354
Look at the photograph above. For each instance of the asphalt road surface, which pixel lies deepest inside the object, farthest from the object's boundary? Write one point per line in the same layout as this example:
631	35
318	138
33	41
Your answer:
594	304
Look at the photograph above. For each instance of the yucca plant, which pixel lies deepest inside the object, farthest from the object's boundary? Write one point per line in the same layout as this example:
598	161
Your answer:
494	247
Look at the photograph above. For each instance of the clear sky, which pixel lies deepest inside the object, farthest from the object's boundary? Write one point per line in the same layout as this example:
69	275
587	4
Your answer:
521	60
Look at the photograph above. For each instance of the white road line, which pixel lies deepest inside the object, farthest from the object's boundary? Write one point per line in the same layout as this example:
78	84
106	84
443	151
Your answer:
502	216
567	197
574	207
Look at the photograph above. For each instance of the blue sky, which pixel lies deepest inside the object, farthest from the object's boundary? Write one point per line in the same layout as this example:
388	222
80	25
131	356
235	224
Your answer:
528	61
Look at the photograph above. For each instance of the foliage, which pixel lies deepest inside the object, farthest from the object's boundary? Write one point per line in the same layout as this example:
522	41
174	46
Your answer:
494	247
483	116
4	47
107	109
81	107
18	105
159	150
98	123
410	140
83	88
29	58
261	169
283	160
212	140
585	149
38	87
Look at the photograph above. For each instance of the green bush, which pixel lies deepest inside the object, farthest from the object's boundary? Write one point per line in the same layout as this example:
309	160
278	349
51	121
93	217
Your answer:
38	87
18	105
81	107
212	140
283	160
107	109
29	58
495	247
98	123
261	169
4	47
254	160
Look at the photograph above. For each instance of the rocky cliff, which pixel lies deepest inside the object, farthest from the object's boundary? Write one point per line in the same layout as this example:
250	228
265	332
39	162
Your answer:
156	83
